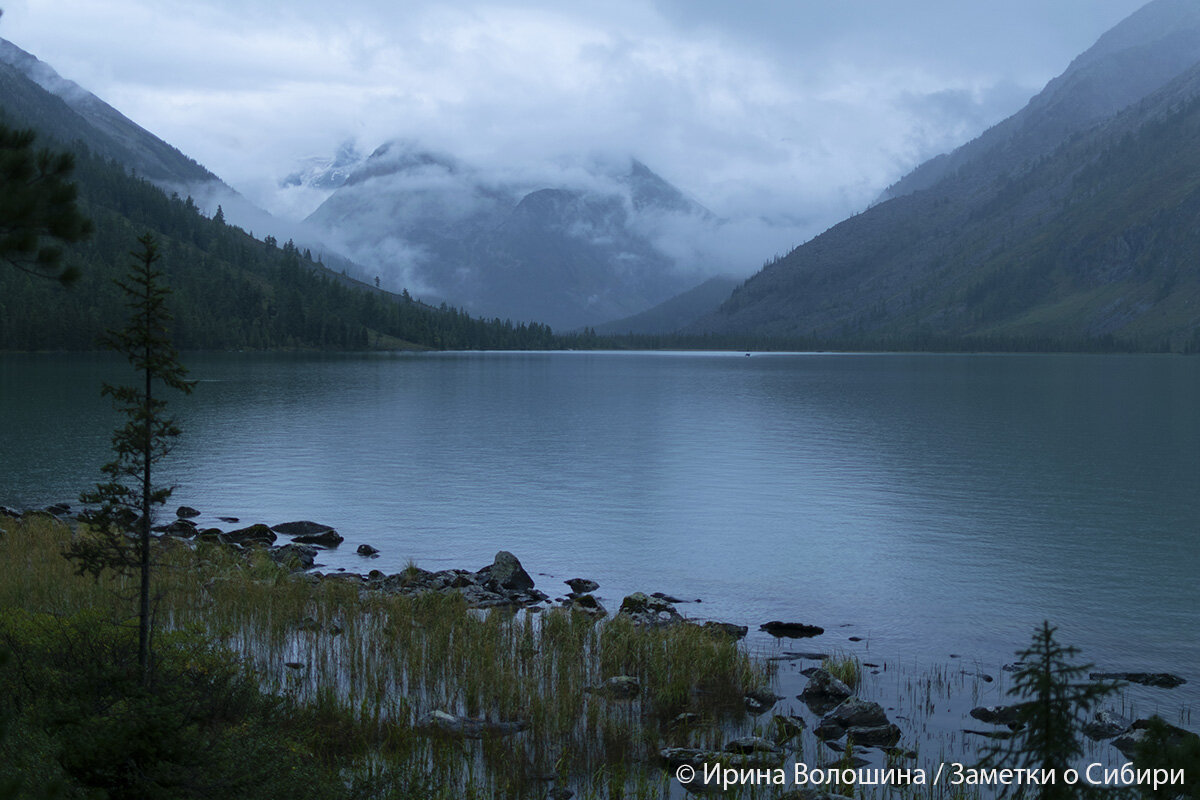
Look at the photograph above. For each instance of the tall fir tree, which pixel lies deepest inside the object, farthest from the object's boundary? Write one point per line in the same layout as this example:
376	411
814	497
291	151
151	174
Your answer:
119	530
1056	697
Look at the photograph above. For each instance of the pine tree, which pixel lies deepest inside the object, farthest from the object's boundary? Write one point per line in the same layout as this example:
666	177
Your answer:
1056	699
119	531
37	201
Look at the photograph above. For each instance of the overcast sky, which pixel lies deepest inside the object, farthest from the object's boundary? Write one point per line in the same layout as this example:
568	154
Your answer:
799	112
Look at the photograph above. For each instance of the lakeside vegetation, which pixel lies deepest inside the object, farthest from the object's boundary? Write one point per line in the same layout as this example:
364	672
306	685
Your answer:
269	684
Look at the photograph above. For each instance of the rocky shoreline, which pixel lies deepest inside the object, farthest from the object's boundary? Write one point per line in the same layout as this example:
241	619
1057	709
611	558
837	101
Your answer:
506	584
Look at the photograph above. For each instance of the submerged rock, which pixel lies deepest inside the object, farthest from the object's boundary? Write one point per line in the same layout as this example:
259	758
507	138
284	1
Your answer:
442	722
367	550
1161	680
998	715
184	512
791	630
582	585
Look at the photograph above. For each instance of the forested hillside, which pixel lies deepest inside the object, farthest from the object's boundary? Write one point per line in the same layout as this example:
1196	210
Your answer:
230	290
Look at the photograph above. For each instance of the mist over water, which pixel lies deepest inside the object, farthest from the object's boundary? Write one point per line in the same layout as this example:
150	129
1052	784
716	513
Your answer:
932	504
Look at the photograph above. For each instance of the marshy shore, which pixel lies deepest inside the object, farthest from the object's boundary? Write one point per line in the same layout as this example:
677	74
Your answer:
475	683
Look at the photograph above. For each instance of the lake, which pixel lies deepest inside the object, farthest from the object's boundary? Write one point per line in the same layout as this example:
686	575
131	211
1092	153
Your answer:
934	506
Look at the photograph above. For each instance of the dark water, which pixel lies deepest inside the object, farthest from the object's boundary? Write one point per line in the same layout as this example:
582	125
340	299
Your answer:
932	504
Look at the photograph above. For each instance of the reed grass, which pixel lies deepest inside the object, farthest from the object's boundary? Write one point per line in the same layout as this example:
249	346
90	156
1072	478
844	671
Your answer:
363	666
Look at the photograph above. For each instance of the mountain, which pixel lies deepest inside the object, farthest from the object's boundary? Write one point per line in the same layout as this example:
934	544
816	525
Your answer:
675	313
590	248
326	173
229	290
1139	56
84	118
1047	231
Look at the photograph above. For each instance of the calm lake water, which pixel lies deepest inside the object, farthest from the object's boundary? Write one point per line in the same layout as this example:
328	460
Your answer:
930	504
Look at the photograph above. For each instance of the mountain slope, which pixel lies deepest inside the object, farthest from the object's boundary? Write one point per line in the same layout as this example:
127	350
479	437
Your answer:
675	313
1090	245
571	255
229	289
1137	57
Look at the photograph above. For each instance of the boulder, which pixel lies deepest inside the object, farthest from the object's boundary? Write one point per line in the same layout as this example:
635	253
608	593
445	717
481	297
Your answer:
649	610
586	604
254	534
186	512
1105	725
301	528
759	700
582	585
367	550
230	520
791	630
507	572
328	538
861	719
180	527
296	557
823	692
1128	742
5	511
998	715
728	628
785	727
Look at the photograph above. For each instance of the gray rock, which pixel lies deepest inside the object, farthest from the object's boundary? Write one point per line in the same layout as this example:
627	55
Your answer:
301	528
823	692
186	512
507	572
254	534
296	557
586	604
582	585
328	538
858	715
367	550
646	609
